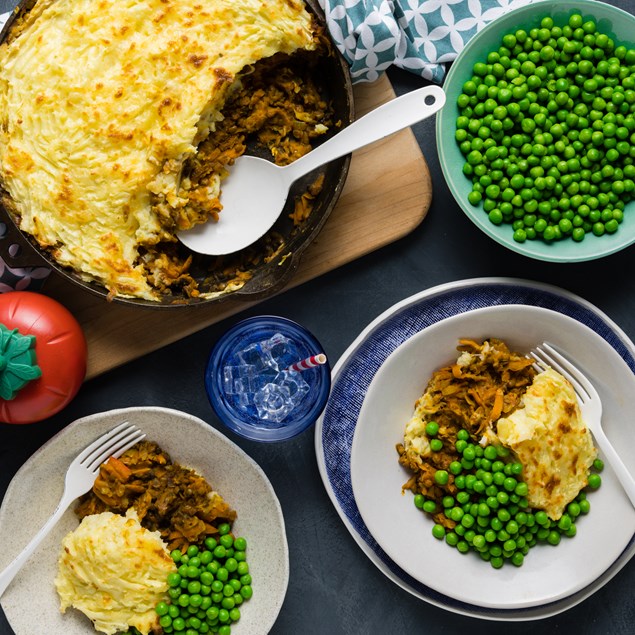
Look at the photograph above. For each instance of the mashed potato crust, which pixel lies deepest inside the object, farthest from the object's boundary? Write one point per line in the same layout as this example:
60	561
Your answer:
102	102
549	437
114	571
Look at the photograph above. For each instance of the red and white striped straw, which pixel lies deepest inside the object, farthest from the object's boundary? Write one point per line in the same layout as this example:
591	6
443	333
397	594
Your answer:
309	362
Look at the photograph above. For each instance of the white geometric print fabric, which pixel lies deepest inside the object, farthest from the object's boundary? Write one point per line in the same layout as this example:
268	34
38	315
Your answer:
420	36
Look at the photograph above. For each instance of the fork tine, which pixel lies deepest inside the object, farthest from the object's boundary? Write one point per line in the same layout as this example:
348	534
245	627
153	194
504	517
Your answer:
89	449
116	450
106	440
553	358
574	371
539	364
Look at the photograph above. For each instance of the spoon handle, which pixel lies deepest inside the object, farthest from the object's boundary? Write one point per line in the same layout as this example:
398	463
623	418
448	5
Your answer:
385	120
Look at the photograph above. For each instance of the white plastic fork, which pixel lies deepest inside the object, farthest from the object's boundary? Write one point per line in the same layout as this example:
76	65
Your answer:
80	477
590	406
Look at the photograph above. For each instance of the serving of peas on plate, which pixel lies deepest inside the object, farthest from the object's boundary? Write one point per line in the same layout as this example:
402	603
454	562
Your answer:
489	513
546	126
209	586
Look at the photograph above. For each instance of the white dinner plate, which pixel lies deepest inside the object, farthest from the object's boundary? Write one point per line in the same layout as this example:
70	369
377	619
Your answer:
36	489
404	533
356	369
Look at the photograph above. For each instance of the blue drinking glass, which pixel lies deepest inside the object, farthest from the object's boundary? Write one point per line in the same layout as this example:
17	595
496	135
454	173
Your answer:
237	410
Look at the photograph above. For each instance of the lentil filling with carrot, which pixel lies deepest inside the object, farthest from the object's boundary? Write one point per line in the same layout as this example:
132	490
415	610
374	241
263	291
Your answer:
487	383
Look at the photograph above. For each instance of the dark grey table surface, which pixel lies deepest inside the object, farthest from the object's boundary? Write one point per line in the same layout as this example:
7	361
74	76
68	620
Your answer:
333	588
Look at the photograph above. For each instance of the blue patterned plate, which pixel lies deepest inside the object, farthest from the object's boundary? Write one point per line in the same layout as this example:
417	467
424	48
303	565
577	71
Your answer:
356	369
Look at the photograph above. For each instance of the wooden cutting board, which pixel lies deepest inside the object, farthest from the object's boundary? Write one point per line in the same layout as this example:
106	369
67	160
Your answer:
387	194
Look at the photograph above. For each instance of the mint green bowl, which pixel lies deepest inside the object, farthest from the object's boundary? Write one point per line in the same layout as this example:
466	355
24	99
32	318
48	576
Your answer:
610	20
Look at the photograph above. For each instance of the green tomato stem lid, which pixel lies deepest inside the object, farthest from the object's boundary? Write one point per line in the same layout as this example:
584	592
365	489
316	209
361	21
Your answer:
17	362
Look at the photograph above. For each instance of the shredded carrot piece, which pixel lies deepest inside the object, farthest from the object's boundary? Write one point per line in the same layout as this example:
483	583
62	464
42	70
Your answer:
497	408
119	470
468	344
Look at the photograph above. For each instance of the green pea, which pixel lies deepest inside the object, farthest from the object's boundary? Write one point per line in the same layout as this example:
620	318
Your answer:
196	600
483	509
474	197
222	574
578	234
495	216
165	621
510	484
194	586
517	559
564	523
432	428
162	608
174	579
441	477
438	531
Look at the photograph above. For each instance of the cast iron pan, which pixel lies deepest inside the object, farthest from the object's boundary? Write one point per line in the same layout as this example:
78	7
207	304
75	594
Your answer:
19	249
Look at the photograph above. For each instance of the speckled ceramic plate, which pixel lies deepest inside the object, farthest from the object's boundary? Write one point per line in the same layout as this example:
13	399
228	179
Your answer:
36	489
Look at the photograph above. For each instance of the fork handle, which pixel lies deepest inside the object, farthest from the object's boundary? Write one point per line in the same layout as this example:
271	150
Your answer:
12	569
621	471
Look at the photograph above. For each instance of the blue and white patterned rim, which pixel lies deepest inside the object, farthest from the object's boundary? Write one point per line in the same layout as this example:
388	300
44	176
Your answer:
354	372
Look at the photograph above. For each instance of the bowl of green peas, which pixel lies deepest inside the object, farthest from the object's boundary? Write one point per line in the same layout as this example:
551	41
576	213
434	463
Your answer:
537	139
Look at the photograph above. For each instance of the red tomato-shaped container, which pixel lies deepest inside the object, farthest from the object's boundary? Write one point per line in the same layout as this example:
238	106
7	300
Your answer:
44	332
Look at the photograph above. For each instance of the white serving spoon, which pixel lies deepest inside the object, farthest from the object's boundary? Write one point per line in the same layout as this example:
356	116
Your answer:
254	193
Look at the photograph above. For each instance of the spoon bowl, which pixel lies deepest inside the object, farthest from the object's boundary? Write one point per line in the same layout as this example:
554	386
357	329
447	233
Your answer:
254	193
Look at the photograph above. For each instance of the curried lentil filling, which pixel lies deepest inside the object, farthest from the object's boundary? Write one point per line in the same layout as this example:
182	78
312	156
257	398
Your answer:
485	384
278	108
169	498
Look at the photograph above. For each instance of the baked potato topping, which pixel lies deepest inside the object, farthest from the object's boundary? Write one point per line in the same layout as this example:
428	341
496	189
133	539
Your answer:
551	440
115	572
103	105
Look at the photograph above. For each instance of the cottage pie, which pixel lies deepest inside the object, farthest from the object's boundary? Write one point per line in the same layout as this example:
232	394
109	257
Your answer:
103	105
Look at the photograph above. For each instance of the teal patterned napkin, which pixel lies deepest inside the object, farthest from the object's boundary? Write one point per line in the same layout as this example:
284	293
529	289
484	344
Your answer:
420	36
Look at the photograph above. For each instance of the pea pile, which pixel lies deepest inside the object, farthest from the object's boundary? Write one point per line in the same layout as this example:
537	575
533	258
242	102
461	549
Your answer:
489	513
547	128
208	587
